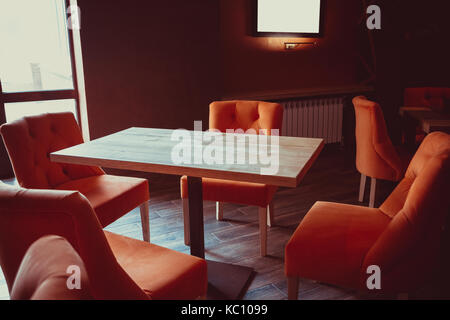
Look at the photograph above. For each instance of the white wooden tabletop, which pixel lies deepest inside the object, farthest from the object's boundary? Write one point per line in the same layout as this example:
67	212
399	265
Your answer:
150	150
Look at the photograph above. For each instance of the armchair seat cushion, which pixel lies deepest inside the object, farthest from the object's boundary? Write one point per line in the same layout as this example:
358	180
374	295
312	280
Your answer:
171	275
246	193
331	242
109	195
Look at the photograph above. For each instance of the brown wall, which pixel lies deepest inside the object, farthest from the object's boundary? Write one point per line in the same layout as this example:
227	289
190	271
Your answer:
160	63
149	63
258	64
412	51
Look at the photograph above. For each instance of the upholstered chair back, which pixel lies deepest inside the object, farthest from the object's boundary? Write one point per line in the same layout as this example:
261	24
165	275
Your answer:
245	115
376	157
29	142
437	99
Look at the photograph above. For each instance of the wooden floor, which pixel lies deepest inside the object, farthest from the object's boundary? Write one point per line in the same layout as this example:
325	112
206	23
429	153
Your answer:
236	239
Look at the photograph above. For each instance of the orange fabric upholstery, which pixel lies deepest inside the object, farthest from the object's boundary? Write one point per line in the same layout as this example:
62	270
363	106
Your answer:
118	267
245	193
110	196
335	243
331	242
437	99
243	115
376	157
160	272
43	272
30	141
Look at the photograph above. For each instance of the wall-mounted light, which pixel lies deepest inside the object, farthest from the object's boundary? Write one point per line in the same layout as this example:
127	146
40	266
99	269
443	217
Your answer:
295	45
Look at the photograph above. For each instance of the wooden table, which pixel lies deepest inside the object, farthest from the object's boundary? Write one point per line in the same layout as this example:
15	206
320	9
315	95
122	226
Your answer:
427	119
149	150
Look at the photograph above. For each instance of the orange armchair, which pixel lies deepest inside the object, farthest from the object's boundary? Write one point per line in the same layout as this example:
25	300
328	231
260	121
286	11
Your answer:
43	272
336	243
117	267
30	141
376	157
239	115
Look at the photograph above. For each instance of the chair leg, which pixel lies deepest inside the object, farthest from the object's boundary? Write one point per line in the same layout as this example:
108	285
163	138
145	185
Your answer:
292	283
263	230
373	187
219	211
145	221
362	187
187	237
270	215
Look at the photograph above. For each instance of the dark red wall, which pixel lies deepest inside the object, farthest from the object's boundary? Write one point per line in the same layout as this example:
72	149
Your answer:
149	63
412	51
259	64
160	63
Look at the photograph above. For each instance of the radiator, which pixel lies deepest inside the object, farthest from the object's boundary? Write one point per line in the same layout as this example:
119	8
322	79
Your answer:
315	118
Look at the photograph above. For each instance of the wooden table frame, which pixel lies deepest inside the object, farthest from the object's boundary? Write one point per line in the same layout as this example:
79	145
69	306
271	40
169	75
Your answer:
427	119
226	281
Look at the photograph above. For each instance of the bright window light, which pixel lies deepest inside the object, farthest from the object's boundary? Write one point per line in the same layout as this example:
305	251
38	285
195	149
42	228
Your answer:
18	110
34	50
289	16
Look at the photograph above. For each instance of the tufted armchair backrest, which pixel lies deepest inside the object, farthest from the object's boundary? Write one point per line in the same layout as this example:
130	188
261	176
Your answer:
409	247
375	155
437	99
29	142
245	115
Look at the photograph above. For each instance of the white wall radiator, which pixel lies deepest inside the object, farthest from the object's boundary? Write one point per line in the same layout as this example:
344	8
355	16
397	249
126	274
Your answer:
315	118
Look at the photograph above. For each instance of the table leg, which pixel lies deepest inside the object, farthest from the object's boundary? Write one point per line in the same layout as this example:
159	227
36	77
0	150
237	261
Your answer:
196	231
225	281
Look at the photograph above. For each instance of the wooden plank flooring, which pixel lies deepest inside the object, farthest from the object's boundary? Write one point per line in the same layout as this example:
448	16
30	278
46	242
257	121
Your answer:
236	239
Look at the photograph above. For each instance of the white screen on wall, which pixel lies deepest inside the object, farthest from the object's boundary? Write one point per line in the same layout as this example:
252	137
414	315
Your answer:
289	16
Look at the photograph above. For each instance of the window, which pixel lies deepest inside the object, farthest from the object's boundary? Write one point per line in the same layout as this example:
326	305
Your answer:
17	110
35	53
37	64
